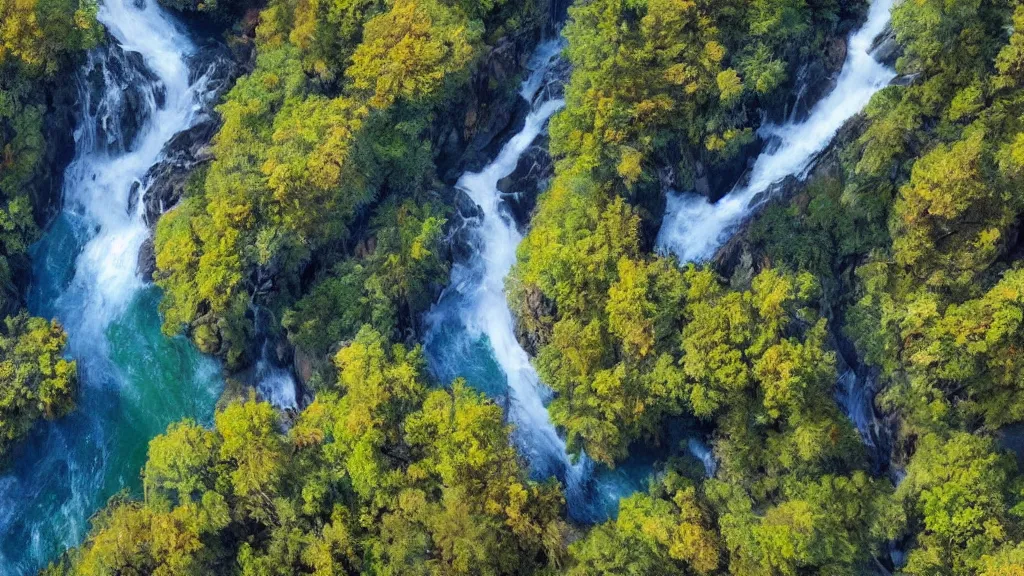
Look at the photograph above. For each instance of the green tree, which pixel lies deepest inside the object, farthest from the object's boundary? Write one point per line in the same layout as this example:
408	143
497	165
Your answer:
957	494
36	381
412	51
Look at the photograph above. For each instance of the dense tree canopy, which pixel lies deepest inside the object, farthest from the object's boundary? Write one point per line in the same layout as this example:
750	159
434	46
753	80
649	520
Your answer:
326	209
353	140
380	474
35	380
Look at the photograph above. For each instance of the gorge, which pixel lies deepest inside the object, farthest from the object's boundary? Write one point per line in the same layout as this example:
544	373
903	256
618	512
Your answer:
455	292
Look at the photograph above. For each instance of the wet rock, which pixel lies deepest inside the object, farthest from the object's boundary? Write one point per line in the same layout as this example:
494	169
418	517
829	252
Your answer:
165	182
554	81
303	366
535	319
885	48
724	176
491	108
826	165
467	217
701	180
133	197
46	186
906	79
122	93
531	176
146	264
557	11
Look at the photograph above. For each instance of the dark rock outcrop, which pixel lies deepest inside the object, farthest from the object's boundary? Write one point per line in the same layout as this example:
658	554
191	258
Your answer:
886	49
490	107
121	92
59	128
466	218
164	183
531	176
540	312
147	260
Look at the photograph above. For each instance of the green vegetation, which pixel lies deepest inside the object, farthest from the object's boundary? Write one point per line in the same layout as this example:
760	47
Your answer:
380	474
325	207
39	42
656	86
340	121
35	381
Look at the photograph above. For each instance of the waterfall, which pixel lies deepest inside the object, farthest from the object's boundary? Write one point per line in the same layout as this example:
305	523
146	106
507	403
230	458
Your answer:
701	451
694	228
273	382
136	93
857	401
471	329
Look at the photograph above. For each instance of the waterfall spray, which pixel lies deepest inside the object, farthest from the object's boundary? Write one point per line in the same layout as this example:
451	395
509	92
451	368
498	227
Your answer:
474	311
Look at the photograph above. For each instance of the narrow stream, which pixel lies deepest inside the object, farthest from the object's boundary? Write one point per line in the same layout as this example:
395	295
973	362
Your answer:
694	228
471	331
134	380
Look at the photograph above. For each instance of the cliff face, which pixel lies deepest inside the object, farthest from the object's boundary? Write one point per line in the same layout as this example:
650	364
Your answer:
59	127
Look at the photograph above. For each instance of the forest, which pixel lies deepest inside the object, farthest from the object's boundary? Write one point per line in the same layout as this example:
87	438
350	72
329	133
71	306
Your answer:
328	204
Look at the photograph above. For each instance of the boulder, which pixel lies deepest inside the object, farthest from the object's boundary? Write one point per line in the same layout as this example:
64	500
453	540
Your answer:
122	93
534	324
165	181
885	48
146	264
530	177
466	218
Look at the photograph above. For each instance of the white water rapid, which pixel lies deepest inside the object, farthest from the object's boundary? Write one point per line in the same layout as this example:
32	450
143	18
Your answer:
99	182
136	93
472	319
694	228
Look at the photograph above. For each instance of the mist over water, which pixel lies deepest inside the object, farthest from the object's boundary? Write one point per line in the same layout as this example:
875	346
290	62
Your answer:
133	380
694	228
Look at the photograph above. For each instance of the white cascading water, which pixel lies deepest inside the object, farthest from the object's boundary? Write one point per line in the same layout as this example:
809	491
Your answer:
275	384
694	228
701	451
856	398
99	183
476	297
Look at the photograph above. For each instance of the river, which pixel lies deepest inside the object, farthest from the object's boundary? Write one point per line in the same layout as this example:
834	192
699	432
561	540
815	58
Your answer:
134	380
694	228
